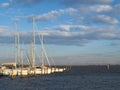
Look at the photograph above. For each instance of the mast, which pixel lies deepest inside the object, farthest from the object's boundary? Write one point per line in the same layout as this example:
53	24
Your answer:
42	50
17	42
21	64
44	54
33	51
15	45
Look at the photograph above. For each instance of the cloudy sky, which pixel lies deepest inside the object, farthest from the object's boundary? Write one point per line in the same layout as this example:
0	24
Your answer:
75	31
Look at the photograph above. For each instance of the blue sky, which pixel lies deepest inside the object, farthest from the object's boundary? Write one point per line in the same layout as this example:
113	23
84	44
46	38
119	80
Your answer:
75	31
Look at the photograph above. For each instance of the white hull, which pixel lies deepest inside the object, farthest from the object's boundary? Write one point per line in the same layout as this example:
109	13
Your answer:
43	71
58	69
26	71
15	72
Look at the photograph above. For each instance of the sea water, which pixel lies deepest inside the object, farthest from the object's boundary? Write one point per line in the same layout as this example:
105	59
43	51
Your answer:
78	78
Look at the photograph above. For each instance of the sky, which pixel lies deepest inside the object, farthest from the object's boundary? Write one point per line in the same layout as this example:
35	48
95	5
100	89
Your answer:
76	32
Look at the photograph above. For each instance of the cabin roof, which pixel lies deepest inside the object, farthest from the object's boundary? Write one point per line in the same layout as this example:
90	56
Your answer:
9	63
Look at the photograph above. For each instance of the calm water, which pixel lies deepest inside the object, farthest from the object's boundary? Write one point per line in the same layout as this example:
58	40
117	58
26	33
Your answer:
79	78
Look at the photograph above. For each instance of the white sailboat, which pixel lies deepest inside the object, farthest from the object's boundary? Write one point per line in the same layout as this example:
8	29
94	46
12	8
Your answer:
17	68
49	68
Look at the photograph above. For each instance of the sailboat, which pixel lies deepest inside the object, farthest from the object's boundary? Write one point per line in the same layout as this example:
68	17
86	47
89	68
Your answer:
49	68
17	68
43	69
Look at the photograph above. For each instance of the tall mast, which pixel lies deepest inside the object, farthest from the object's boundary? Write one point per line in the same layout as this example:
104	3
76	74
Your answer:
17	42
33	53
42	50
18	48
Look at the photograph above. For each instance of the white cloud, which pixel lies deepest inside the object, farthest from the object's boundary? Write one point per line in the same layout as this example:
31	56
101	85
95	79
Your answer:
87	2
70	10
64	27
6	4
71	27
55	13
71	38
4	31
25	2
96	1
3	28
106	19
113	10
104	13
107	35
101	8
51	15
